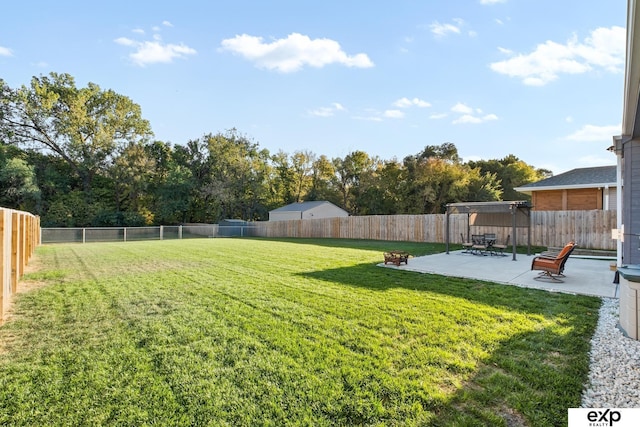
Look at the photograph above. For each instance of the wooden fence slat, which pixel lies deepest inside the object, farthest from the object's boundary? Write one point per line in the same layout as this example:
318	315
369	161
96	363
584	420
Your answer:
19	236
590	229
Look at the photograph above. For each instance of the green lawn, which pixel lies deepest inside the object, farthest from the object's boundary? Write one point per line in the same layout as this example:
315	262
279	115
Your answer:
246	332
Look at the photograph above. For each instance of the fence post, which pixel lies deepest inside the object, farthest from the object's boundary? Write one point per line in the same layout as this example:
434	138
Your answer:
161	232
84	235
18	238
180	232
4	274
124	234
15	250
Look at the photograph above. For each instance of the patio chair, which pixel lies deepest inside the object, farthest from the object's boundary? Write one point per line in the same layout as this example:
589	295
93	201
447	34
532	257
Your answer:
500	247
489	241
465	245
478	244
552	268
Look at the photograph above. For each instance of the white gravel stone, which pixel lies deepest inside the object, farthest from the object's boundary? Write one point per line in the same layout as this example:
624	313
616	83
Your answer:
614	369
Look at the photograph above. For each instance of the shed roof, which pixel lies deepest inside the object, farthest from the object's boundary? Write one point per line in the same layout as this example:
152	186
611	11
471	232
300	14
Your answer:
304	206
486	207
600	176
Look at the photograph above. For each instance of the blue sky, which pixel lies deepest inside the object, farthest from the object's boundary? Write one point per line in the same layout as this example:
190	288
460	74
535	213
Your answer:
539	79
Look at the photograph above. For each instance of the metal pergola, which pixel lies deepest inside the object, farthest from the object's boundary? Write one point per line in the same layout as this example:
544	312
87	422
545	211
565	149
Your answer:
513	214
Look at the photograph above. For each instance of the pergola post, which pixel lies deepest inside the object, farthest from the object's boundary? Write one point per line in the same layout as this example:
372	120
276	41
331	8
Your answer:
447	230
514	213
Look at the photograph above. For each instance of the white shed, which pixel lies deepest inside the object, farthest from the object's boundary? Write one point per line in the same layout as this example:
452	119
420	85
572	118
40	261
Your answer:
307	210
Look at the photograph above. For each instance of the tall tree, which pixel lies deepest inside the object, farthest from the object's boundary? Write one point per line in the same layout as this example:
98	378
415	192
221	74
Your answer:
238	175
282	180
322	175
511	172
349	172
302	164
433	178
18	187
84	126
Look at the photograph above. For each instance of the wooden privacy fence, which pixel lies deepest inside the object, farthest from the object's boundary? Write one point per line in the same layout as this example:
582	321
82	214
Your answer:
589	229
20	234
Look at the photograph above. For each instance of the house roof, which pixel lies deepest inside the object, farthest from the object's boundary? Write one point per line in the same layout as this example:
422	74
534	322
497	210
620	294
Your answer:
304	206
576	178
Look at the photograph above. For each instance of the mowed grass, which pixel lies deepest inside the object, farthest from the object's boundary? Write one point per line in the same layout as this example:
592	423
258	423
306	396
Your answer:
246	332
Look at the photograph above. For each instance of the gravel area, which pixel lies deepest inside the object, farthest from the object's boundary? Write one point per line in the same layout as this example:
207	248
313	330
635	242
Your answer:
614	373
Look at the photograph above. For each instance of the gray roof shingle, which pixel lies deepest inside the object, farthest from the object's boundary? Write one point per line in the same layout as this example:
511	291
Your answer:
302	206
578	177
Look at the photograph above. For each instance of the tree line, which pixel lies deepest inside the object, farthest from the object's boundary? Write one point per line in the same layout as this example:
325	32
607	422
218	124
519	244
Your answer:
86	157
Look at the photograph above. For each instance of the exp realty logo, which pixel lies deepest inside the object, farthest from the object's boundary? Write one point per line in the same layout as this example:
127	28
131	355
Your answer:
604	417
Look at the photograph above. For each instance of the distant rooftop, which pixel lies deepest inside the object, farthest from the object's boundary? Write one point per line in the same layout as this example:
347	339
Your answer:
302	206
577	178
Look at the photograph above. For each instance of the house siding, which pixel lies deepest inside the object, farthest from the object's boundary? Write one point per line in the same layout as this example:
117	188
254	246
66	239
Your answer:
324	211
631	203
284	216
568	200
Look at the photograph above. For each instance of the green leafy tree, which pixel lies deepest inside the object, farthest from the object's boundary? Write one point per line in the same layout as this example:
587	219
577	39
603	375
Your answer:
302	164
382	190
323	173
236	185
132	174
349	173
84	126
282	180
482	187
433	178
511	172
18	189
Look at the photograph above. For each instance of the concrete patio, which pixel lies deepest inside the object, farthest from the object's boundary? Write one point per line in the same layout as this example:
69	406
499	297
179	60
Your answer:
585	276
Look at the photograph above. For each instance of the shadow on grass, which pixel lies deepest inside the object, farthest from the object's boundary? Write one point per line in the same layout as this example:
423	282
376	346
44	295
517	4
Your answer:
370	276
414	248
530	378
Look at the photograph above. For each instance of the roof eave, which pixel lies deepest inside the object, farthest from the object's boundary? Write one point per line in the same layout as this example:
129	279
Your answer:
564	187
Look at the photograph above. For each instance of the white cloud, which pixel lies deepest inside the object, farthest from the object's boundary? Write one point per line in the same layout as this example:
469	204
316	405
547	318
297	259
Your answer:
438	116
167	24
138	30
151	52
471	115
468	118
603	49
415	102
492	1
371	118
125	41
462	108
441	30
393	114
293	53
5	51
591	133
327	111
